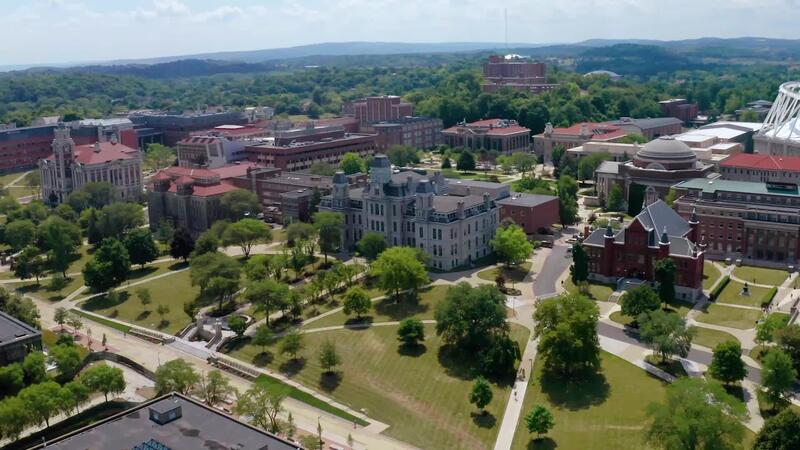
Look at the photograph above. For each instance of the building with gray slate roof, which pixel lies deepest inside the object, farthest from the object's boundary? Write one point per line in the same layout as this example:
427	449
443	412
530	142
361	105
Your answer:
17	338
170	422
415	208
656	233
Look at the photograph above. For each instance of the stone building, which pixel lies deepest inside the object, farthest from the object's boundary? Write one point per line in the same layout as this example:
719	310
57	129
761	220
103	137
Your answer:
504	136
71	166
17	339
656	233
574	136
412	208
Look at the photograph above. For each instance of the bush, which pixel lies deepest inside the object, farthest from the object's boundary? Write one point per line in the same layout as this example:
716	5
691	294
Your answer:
720	286
768	298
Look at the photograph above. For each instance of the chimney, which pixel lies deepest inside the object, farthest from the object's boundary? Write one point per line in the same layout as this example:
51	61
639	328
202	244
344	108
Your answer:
460	209
97	147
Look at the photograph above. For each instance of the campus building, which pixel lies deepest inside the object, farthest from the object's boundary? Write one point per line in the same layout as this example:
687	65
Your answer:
650	128
574	136
418	132
656	233
515	72
169	129
756	221
170	422
17	339
382	108
504	136
679	108
71	166
533	212
412	208
763	168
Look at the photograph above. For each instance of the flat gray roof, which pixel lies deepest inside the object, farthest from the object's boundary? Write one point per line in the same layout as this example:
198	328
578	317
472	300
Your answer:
529	200
199	427
12	329
449	203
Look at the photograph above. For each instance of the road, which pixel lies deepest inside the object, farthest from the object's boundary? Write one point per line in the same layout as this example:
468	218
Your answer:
554	266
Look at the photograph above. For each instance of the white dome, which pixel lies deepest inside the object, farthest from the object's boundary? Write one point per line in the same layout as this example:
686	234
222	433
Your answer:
665	147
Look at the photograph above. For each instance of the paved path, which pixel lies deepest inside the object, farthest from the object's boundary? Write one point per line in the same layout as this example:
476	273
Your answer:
552	270
511	416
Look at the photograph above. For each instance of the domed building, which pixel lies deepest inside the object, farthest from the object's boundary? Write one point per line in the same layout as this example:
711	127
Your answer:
655	167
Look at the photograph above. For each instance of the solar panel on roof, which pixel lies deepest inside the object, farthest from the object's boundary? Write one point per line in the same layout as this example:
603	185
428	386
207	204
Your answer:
152	444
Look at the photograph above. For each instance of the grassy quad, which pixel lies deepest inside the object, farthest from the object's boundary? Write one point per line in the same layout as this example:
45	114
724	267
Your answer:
597	291
676	306
422	395
387	310
711	338
732	295
513	274
728	316
604	413
710	275
172	291
761	275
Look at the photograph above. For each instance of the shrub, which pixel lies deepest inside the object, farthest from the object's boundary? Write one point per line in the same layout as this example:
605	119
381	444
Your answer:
768	298
718	289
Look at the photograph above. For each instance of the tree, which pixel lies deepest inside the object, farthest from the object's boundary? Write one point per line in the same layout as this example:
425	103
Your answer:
411	332
300	232
672	195
60	238
144	297
239	204
214	387
109	266
106	379
322	168
777	374
446	164
79	393
780	432
292	343
238	324
141	247
639	300
19	234
162	310
371	245
726	363
580	264
567	199
20	307
42	401
666	333
263	337
181	245
158	156
352	163
466	161
588	164
329	358
117	219
14	418
768	326
12	378
34	368
356	300
67	359
511	244
75	321
268	295
330	226
481	394
469	316
523	161
615	200
566	327
93	232
221	288
788	339
92	195
398	269
263	404
29	263
402	155
206	243
698	414
60	316
176	376
206	267
539	420
665	270
246	233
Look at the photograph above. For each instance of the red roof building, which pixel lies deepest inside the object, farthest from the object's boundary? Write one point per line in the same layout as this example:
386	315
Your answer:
574	136
502	135
761	168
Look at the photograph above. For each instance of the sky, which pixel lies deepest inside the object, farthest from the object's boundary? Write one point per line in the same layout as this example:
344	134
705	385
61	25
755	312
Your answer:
59	31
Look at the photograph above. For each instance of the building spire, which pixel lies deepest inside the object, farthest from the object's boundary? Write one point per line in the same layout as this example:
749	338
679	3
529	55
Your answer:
664	237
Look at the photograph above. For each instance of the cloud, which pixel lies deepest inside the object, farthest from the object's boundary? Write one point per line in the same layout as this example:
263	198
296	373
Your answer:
163	8
221	13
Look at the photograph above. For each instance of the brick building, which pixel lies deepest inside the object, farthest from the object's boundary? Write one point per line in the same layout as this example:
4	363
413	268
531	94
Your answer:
679	108
763	168
417	132
370	110
574	136
651	128
656	233
534	213
502	135
751	220
514	72
171	128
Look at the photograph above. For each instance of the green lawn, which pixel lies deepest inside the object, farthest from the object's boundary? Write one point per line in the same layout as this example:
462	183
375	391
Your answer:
515	273
711	338
422	395
9	177
620	318
761	275
81	258
732	295
728	316
597	291
43	290
710	275
676	306
606	412
172	291
387	310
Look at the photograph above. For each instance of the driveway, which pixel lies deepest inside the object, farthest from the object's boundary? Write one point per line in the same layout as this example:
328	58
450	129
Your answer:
554	266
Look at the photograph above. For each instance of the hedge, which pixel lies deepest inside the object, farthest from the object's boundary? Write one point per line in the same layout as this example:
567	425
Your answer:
720	286
770	295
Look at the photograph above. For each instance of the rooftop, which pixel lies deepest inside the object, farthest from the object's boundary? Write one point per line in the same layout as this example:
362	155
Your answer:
763	162
196	427
449	203
102	152
592	131
12	329
528	200
490	126
647	123
744	187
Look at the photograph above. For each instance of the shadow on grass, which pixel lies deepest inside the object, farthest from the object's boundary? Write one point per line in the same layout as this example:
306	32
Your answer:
178	265
544	443
103	302
292	367
162	324
141	272
464	365
143	315
359	322
236	343
263	359
591	390
413	351
408	305
329	381
485	420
